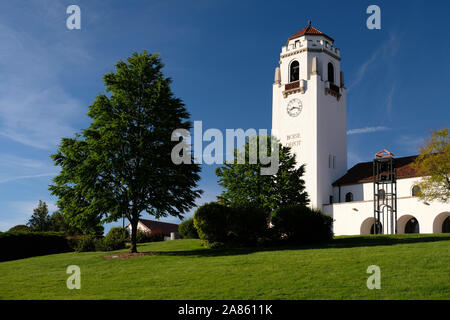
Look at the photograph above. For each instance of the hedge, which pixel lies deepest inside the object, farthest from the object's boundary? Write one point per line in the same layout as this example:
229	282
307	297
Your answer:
19	245
220	225
301	224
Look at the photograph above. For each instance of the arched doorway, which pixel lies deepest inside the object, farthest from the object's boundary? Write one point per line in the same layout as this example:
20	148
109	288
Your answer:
441	223
376	227
408	224
412	226
368	226
446	225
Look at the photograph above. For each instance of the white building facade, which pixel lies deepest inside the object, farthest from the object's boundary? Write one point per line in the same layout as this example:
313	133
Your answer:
309	115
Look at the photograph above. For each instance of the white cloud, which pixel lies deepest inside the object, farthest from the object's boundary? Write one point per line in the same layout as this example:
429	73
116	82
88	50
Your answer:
367	130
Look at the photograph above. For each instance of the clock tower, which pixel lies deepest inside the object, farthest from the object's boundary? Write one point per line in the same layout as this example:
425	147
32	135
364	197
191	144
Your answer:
309	110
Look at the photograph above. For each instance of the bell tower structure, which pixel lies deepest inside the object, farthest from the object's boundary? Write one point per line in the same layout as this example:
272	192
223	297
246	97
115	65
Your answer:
309	110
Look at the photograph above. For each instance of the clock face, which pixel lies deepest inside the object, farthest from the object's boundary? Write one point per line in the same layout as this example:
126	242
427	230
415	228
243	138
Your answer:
294	107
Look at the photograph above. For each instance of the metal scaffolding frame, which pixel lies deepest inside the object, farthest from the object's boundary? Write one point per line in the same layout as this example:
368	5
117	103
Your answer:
384	193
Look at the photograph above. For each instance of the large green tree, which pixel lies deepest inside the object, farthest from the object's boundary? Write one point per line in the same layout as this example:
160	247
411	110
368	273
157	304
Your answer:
40	220
245	185
121	165
434	164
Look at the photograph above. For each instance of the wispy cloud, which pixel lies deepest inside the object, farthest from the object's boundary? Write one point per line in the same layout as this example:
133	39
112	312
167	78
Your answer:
28	177
35	108
385	51
12	161
389	101
13	168
367	130
410	144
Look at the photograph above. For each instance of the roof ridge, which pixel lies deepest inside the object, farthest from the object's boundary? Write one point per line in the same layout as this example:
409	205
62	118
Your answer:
362	171
157	221
309	30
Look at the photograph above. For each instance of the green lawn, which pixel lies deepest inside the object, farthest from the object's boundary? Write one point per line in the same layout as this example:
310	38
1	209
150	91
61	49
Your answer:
412	267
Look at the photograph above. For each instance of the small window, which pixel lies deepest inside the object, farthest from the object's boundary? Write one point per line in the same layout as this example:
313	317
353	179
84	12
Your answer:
381	194
329	160
334	162
330	72
349	197
331	199
294	71
415	191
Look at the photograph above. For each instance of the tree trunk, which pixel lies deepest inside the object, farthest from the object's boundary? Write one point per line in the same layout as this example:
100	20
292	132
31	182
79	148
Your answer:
134	224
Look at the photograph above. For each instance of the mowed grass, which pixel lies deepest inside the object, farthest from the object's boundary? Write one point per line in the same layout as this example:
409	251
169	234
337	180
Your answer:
412	267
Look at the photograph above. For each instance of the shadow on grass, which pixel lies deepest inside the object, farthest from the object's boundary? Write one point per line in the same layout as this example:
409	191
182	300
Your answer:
339	242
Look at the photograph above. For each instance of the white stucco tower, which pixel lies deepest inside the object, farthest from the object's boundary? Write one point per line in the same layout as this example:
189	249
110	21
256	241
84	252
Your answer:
309	110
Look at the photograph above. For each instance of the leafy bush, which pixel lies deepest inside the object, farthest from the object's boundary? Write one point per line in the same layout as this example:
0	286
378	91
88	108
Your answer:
87	243
18	245
20	228
243	225
143	237
301	224
247	225
187	229
115	239
212	221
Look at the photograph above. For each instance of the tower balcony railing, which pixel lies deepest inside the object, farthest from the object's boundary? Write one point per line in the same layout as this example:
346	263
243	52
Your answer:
332	89
292	85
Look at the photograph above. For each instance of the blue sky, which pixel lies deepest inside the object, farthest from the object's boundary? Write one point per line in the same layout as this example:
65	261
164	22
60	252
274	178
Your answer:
221	56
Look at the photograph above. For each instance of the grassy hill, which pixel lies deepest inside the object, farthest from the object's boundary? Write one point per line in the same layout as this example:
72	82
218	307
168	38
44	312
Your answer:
412	267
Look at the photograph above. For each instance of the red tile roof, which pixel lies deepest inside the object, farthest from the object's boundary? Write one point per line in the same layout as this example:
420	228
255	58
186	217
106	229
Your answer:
157	226
309	30
363	172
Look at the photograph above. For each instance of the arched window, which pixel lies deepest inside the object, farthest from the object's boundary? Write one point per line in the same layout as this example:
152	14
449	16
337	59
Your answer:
412	226
415	191
294	71
330	72
349	197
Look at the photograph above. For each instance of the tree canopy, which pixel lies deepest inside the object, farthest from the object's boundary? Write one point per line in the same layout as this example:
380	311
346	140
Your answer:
40	220
121	164
434	164
244	184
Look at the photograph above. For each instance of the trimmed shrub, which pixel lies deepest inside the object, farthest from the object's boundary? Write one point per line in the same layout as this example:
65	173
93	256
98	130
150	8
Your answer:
247	225
86	243
20	228
144	237
115	239
301	224
187	229
220	225
18	245
212	221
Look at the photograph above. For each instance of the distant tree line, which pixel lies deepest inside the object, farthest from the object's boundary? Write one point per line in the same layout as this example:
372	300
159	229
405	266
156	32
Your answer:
42	221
